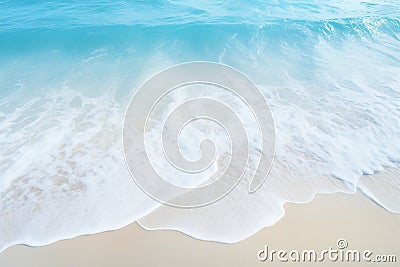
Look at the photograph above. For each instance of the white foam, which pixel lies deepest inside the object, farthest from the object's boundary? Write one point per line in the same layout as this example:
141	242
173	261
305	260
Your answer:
69	177
340	123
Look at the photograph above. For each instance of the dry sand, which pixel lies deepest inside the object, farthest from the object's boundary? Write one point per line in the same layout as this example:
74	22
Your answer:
316	225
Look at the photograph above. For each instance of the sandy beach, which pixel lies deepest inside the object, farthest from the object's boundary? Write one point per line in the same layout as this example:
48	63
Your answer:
317	225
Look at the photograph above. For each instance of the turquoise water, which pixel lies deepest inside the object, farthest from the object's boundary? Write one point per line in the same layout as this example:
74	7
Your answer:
329	70
72	14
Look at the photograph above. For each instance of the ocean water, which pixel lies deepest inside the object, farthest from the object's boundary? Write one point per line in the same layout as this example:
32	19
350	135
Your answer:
330	71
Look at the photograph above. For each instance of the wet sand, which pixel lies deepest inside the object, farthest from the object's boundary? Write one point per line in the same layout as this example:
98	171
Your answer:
316	225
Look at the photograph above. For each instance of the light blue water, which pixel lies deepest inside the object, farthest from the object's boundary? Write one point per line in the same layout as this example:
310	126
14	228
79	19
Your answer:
329	69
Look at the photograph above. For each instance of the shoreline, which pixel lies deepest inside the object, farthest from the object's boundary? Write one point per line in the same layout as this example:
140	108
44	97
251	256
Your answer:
314	225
